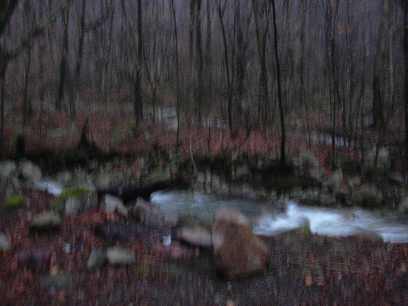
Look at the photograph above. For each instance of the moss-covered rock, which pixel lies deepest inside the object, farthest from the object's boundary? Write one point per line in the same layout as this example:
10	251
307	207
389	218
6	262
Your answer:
14	202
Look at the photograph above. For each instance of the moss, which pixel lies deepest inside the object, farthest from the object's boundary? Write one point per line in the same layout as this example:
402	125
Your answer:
14	202
68	193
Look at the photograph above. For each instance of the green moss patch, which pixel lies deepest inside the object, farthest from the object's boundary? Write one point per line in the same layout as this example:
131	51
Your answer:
68	193
14	202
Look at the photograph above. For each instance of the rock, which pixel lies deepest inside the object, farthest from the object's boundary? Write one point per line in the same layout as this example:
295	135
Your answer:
30	171
242	171
5	244
103	180
327	199
367	195
237	251
383	158
403	207
73	207
120	256
96	259
9	187
64	178
147	214
112	204
195	236
353	183
308	165
45	221
7	168
397	178
334	181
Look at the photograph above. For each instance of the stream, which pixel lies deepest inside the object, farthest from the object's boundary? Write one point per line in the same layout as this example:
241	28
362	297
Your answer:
270	220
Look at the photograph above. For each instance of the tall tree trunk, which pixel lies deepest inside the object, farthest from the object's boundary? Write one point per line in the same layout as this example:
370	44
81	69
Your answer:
208	55
3	72
138	103
405	7
199	60
27	107
178	94
221	13
278	79
64	61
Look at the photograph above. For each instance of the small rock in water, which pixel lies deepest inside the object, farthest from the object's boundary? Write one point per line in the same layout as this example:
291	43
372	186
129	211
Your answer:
120	256
5	244
112	204
166	240
96	259
45	221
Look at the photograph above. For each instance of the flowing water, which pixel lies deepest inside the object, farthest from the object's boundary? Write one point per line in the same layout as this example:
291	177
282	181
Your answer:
269	219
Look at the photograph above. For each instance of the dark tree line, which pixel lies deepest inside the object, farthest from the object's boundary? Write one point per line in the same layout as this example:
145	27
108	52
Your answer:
274	65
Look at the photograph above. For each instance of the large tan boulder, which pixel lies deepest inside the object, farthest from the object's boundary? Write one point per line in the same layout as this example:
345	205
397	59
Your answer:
237	251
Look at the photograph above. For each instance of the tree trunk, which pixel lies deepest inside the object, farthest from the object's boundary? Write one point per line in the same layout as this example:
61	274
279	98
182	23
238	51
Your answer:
64	62
405	7
178	94
138	103
278	79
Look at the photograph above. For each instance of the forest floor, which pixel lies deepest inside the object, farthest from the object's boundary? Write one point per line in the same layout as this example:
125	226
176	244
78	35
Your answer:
116	132
305	269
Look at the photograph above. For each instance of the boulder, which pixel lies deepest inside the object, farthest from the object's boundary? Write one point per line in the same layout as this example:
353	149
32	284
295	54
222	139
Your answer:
103	180
383	158
308	165
120	256
367	195
403	207
353	183
195	236
237	251
113	204
45	221
5	244
7	168
147	214
96	259
30	172
334	181
64	178
10	188
73	206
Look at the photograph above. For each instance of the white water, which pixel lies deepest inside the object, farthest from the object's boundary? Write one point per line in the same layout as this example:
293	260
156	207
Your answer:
334	223
49	186
390	226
